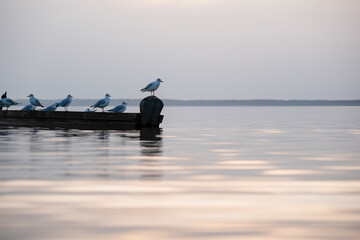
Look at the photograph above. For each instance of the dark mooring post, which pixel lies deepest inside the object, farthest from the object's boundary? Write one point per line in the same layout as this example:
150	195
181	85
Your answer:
150	109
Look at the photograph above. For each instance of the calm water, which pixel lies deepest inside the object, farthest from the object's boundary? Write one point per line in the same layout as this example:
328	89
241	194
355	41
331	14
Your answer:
209	173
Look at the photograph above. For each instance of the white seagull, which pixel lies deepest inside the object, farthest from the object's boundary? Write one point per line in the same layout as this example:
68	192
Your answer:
152	86
120	108
51	108
7	102
29	107
102	102
66	102
34	101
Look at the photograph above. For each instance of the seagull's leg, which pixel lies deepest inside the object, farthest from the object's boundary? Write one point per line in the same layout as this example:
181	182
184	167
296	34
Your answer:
102	109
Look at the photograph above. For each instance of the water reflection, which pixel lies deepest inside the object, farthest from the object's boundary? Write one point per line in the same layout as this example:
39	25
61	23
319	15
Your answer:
151	141
5	139
104	135
234	175
151	148
35	153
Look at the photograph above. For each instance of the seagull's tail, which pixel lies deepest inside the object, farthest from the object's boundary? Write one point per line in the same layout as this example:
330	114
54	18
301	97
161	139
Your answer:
143	90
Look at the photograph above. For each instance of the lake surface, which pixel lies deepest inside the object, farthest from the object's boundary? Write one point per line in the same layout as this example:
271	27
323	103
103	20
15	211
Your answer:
208	173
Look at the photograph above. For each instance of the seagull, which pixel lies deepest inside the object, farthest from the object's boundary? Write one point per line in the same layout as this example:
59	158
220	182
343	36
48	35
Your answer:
29	107
34	101
102	102
7	102
51	108
66	102
152	86
120	108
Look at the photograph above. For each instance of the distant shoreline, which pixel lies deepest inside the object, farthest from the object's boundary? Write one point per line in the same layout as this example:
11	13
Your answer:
250	102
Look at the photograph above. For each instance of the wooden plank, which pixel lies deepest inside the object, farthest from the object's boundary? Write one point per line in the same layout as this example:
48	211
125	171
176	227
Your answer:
70	124
78	120
129	117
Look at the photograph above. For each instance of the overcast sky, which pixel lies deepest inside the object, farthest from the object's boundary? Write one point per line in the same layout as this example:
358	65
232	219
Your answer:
202	49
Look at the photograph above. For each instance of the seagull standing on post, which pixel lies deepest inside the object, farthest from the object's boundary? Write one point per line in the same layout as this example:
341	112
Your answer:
152	86
34	101
66	102
102	102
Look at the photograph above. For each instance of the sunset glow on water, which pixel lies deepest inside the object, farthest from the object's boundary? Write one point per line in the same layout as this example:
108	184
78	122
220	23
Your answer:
209	173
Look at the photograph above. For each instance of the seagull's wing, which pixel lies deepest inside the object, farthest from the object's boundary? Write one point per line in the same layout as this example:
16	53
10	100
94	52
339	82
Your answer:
64	102
122	108
150	85
12	102
50	108
100	102
27	107
37	102
113	109
118	108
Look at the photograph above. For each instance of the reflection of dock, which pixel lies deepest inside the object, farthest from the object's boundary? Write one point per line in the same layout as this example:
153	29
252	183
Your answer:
151	150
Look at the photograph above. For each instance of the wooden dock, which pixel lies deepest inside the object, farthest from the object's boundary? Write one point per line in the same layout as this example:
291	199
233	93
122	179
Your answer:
149	116
78	120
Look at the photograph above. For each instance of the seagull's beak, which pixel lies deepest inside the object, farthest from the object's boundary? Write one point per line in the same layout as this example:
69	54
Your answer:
161	81
28	96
